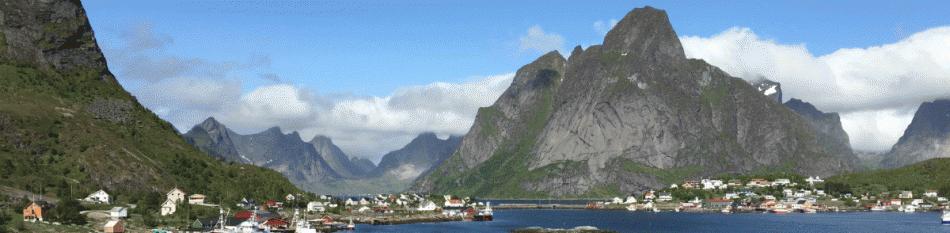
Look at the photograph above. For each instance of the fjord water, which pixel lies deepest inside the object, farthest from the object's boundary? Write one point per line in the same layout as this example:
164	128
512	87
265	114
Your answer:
624	221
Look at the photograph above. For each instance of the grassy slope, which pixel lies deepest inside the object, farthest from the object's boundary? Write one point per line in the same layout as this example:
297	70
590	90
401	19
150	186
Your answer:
929	174
51	144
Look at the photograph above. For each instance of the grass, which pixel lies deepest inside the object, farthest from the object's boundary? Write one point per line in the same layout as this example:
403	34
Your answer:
50	144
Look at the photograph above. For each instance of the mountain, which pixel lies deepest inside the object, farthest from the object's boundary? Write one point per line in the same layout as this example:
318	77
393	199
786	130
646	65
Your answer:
319	165
339	161
768	88
927	136
831	134
299	161
870	160
626	116
67	126
417	157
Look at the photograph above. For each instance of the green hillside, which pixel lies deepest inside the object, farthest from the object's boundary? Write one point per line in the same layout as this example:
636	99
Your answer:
929	174
67	128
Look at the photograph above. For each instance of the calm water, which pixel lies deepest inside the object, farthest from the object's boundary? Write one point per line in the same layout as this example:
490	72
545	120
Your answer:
623	221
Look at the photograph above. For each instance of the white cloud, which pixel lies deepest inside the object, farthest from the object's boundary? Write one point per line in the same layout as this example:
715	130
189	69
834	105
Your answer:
602	27
537	40
876	130
867	84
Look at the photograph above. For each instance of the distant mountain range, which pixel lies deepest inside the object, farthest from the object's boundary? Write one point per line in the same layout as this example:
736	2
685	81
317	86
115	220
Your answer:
319	165
630	115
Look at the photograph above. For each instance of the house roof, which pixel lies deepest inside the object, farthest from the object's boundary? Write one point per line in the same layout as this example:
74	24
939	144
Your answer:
117	209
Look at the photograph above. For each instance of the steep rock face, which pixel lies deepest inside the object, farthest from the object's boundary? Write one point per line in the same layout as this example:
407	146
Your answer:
417	157
624	117
60	104
927	136
339	161
828	126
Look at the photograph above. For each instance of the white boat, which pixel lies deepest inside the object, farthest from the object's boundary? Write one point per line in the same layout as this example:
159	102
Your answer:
945	219
809	211
909	209
655	210
632	207
780	209
351	226
727	210
878	208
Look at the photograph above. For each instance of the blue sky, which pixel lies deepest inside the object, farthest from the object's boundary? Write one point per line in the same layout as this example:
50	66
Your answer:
342	46
372	74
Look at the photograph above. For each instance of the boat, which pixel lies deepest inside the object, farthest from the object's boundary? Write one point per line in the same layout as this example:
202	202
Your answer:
727	210
655	210
909	209
484	214
632	207
780	209
878	208
810	211
350	226
301	225
945	218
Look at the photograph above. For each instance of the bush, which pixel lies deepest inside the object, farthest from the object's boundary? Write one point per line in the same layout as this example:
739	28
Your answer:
68	213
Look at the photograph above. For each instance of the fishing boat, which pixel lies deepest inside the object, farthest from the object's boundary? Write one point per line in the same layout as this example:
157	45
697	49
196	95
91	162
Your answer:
484	214
878	208
945	218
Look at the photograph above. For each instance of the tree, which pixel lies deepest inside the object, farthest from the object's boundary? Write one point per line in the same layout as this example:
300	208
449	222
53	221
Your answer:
68	212
837	188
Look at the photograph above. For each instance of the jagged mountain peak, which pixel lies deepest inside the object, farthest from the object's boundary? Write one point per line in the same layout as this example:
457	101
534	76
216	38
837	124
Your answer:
646	33
210	124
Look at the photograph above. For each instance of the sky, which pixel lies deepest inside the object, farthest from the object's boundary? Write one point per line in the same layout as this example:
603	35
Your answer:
373	74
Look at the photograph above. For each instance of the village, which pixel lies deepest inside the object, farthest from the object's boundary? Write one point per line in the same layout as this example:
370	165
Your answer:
182	212
779	196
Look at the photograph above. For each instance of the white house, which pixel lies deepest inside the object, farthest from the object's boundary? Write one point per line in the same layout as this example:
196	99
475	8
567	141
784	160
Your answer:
119	212
176	196
711	184
290	197
196	199
906	195
814	180
350	202
630	200
664	197
169	207
315	206
930	193
783	181
616	200
364	201
427	206
99	197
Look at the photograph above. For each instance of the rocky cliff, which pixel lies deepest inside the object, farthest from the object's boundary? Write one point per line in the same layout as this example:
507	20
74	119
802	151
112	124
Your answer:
64	120
626	116
927	136
830	133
